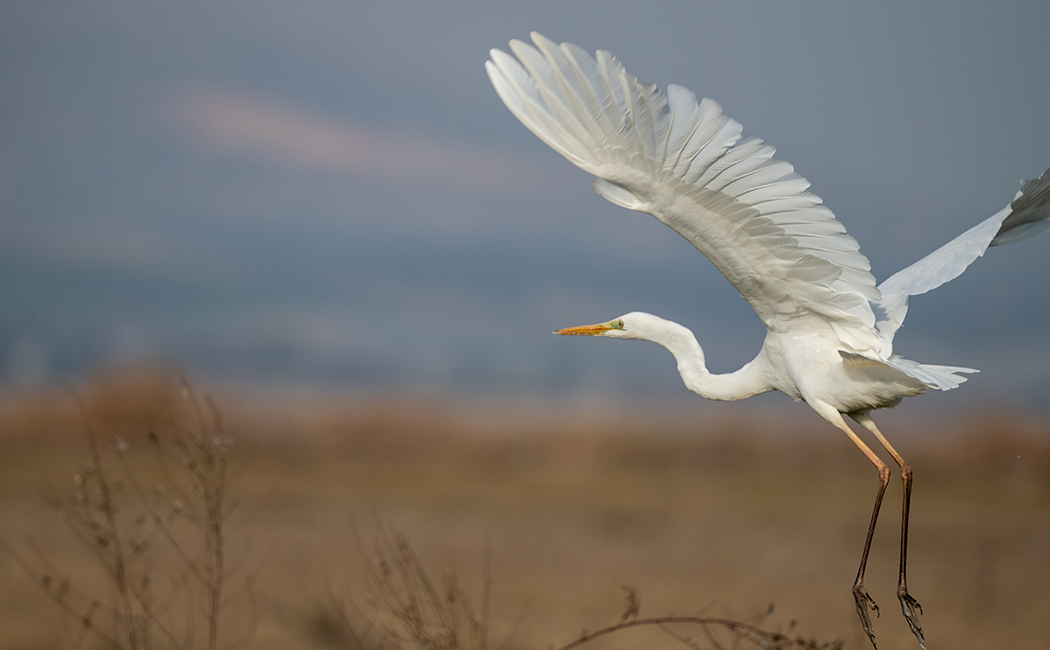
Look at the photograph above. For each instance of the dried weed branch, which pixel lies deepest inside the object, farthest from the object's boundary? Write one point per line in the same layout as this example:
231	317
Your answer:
187	512
411	608
719	634
407	606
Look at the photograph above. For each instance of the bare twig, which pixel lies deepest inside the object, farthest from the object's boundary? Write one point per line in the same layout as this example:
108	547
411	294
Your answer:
412	607
486	593
761	638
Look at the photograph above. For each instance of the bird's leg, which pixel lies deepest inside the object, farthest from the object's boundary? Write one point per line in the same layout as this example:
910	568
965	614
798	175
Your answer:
909	606
860	594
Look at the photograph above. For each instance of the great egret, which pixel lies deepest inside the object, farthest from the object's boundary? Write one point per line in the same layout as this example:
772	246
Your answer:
830	330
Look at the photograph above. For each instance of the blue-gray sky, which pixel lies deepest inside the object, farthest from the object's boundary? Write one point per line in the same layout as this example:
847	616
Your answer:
331	192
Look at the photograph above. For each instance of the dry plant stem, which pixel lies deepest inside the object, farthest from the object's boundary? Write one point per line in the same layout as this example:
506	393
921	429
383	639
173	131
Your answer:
91	517
136	616
486	592
741	630
117	566
342	604
208	470
62	594
411	606
414	612
149	616
215	560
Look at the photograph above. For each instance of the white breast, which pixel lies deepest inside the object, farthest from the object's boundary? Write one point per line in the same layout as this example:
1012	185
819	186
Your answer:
806	365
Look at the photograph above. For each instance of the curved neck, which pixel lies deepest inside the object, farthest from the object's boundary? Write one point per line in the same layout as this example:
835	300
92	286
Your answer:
748	381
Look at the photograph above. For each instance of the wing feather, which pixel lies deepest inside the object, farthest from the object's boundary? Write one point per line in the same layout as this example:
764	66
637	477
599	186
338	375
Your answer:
1027	214
686	163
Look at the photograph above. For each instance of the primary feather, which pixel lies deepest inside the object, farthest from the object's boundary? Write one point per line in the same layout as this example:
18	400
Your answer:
1026	216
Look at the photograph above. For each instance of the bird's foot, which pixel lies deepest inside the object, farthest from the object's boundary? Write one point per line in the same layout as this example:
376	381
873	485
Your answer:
864	605
911	609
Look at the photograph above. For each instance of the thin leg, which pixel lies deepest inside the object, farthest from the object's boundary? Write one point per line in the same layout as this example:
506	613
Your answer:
860	594
909	606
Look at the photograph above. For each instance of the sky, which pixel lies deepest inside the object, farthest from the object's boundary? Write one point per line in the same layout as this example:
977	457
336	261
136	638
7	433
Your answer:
329	193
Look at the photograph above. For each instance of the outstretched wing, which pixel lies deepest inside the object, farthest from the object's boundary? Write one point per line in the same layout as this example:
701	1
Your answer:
1027	214
686	163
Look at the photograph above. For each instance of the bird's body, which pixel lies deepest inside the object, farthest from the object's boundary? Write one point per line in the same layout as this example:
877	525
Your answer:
830	329
809	365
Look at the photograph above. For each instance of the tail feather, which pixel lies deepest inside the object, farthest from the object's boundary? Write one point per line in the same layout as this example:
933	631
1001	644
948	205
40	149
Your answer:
936	377
931	376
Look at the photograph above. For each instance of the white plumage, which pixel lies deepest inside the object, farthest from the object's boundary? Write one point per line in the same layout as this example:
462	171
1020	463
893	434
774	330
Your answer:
829	328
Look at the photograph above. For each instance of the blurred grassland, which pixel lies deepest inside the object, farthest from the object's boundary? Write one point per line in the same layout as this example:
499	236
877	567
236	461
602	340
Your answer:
706	515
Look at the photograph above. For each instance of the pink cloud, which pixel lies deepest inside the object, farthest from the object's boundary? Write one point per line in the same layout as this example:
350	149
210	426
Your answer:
294	136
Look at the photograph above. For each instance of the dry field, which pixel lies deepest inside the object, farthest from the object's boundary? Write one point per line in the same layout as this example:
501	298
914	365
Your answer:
708	518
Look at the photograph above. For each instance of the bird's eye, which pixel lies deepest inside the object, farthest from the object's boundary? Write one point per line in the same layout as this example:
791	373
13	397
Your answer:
619	323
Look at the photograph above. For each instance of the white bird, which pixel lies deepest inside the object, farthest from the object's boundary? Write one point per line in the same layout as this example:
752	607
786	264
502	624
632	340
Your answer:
830	329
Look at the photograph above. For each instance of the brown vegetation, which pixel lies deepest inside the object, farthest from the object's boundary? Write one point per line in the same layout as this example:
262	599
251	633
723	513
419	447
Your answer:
524	530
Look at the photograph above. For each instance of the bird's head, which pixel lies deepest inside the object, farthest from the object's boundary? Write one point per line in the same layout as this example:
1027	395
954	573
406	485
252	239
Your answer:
635	325
676	338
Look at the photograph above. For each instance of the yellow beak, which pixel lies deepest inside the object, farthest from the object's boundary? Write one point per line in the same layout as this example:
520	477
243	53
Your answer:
585	330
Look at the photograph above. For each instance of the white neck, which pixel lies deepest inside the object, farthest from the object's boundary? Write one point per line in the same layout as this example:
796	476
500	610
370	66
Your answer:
746	382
